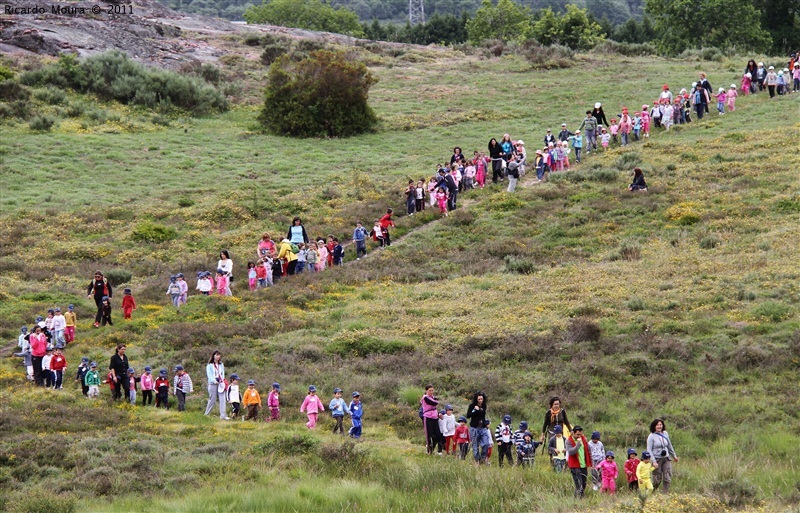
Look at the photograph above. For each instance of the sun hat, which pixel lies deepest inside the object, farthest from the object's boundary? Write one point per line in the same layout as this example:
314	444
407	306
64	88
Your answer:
597	105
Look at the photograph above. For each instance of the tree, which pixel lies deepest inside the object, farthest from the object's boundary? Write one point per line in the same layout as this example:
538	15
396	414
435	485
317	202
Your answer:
305	14
506	21
323	95
781	18
633	31
701	23
574	29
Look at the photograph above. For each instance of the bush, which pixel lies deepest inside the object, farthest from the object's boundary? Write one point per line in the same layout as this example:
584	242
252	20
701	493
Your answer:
324	95
627	49
42	123
547	57
685	213
153	233
774	311
519	265
210	73
355	344
75	109
117	277
737	492
710	241
51	95
628	250
288	445
5	73
635	304
305	14
11	90
271	53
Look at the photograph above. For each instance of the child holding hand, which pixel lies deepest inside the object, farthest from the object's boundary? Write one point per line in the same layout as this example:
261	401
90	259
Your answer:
312	406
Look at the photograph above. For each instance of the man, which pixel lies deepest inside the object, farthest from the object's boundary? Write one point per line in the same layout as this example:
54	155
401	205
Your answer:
589	127
549	138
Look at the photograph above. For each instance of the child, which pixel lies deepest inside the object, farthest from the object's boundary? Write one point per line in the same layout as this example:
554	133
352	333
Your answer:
80	375
644	474
432	190
252	275
519	436
614	130
411	198
447	426
234	397
322	250
486	424
274	402
183	386
781	81
337	407
598	454
625	126
565	152
184	289
251	400
795	77
70	320
605	138
469	176
360	233
132	380
57	365
105	312
162	390
747	80
526	451
441	200
637	126
338	252
645	114
174	291
732	94
204	283
480	172
128	304
48	324
559	156
655	114
377	232
92	381
312	257
269	265
25	352
608	469
261	273
356	412
419	197
59	325
667	119
462	437
558	450
721	97
630	470
222	283
505	441
329	246
577	145
312	405
148	386
302	258
46	372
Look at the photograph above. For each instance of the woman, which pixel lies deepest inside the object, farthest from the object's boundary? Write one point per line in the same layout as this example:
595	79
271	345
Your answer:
704	83
496	154
660	447
638	181
287	257
118	368
297	232
751	68
215	372
555	416
457	155
600	116
666	94
430	421
478	432
507	145
98	288
226	264
265	246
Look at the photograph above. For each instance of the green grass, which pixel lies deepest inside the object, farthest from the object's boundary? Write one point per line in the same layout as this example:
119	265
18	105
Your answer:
681	302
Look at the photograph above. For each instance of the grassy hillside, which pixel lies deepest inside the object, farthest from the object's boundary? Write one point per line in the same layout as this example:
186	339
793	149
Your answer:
680	302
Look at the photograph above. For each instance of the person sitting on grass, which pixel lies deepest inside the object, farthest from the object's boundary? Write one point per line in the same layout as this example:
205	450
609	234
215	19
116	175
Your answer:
638	181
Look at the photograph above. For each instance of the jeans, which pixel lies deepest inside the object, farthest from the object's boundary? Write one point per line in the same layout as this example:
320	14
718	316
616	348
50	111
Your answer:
361	248
579	478
59	339
132	396
181	395
591	140
213	396
506	450
299	267
480	442
176	300
578	154
338	427
624	137
451	200
721	107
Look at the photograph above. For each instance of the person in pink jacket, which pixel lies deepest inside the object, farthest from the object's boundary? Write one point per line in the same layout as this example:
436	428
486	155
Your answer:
312	405
148	385
608	471
625	125
274	402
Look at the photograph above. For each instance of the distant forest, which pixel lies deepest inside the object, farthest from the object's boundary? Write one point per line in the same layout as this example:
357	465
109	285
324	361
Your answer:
615	11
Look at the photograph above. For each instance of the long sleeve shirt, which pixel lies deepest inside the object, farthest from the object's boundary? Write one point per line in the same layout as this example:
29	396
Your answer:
338	407
183	383
356	409
312	404
251	397
273	400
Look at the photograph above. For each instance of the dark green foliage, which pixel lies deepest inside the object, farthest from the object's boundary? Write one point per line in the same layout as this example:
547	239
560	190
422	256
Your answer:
5	73
51	95
736	492
153	233
626	49
439	29
118	277
324	95
289	445
11	90
520	265
633	31
42	123
114	76
362	345
547	57
305	14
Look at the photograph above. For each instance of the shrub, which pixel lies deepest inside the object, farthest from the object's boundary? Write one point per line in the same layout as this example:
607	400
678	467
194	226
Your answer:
75	109
5	73
324	95
185	202
210	73
628	250
628	161
42	123
710	241
547	57
271	53
117	277
635	304
627	49
583	330
160	119
519	265
736	492
153	232
11	90
774	311
51	95
305	14
685	213
288	445
355	344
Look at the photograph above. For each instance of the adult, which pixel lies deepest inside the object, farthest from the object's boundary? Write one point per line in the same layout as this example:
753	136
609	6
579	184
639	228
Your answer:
446	181
226	265
599	115
98	288
508	146
478	432
555	416
457	155
660	447
455	175
496	154
578	459
215	372
430	421
751	68
589	126
666	94
699	99
297	232
266	246
549	138
638	181
287	257
704	83
38	342
386	222
118	368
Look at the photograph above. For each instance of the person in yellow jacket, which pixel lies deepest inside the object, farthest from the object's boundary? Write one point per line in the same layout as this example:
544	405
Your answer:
251	400
644	473
287	257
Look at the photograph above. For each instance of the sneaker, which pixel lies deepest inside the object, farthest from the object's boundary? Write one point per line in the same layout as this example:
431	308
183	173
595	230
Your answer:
595	488
97	325
226	418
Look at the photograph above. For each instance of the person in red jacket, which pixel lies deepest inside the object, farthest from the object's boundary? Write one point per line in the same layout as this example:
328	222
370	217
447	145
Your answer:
128	303
38	341
386	222
58	364
579	458
98	289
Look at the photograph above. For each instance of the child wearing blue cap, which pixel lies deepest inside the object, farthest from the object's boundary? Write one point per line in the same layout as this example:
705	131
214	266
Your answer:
312	406
338	408
274	402
148	386
447	426
80	375
505	441
356	412
251	400
92	381
162	390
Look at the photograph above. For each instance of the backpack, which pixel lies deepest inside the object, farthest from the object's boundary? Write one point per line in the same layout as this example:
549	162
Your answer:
421	412
295	248
697	97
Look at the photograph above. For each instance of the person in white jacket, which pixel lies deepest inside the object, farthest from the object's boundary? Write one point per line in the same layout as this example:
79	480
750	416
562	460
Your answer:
447	425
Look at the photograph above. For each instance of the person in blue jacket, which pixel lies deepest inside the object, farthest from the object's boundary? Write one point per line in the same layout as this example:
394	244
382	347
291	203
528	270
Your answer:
356	412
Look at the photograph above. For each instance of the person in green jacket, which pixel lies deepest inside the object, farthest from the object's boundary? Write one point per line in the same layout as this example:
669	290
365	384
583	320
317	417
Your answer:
92	380
590	125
